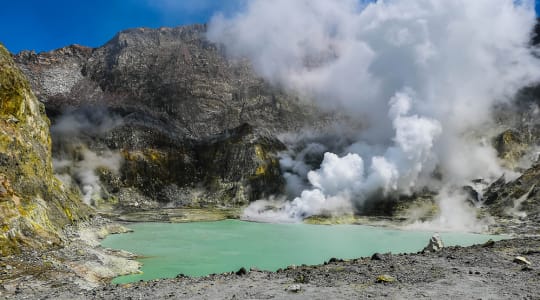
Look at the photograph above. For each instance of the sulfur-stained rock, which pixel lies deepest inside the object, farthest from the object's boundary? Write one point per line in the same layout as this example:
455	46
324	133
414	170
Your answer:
522	194
385	278
33	204
511	146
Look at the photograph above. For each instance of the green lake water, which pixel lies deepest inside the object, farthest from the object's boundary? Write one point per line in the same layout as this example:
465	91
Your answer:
198	249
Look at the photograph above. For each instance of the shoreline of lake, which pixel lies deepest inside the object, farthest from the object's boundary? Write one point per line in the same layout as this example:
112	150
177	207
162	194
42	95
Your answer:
57	273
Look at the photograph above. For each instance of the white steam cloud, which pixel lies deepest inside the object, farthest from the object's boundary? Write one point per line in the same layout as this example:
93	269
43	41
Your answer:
74	163
82	172
421	75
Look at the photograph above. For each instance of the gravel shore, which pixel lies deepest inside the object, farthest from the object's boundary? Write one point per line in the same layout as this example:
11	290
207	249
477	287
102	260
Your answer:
489	271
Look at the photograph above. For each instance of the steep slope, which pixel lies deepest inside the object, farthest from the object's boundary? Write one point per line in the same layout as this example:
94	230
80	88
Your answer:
33	203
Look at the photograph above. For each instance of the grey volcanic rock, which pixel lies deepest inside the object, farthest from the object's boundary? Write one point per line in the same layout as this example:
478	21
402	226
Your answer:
517	198
56	76
435	244
193	127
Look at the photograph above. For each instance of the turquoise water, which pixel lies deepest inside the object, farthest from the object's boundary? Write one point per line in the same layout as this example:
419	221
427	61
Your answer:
198	249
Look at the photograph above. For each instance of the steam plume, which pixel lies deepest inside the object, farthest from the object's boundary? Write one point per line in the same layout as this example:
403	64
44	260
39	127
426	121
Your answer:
74	163
82	172
421	75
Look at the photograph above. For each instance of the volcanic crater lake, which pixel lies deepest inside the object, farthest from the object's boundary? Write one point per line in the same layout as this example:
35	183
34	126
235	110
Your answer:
202	248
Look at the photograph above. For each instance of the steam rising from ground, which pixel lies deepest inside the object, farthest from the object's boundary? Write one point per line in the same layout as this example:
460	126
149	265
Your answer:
82	172
74	163
421	75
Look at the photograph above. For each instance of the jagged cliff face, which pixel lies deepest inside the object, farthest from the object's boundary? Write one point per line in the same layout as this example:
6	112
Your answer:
33	203
193	128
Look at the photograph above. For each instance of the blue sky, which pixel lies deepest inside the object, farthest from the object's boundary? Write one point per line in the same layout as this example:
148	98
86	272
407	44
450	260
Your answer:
43	25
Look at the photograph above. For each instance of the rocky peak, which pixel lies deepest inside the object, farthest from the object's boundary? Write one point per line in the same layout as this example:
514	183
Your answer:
55	56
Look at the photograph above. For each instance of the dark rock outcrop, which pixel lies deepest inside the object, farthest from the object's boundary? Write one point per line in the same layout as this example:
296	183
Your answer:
516	197
33	203
230	169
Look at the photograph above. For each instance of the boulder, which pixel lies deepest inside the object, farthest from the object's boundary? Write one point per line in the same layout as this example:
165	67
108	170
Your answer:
376	256
435	244
241	272
489	244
